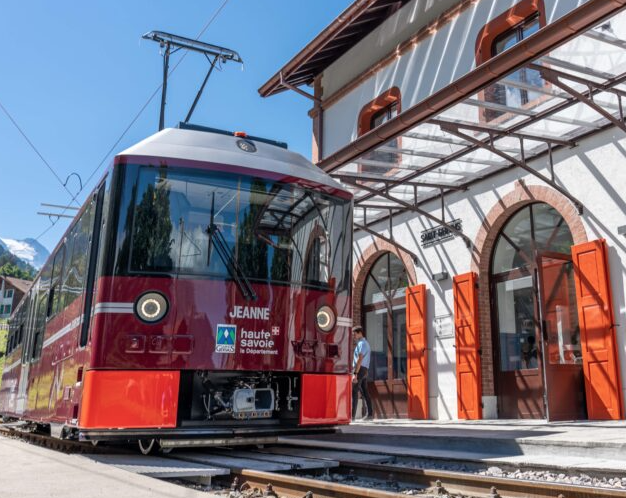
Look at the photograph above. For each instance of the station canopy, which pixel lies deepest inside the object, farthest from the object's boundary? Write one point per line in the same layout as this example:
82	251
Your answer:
545	93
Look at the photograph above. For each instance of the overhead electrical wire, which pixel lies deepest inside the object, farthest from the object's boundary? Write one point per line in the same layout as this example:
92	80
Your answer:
132	122
32	146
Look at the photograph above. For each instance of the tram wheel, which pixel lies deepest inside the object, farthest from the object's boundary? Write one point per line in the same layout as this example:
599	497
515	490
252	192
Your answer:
146	446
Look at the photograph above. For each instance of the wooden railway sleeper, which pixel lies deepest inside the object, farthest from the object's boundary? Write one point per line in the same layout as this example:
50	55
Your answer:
493	493
439	489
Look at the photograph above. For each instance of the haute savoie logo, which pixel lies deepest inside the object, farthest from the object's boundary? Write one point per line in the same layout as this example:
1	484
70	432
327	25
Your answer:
226	338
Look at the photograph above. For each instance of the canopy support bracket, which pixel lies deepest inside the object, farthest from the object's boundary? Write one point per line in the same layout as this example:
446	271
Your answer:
449	128
388	240
291	87
550	76
412	207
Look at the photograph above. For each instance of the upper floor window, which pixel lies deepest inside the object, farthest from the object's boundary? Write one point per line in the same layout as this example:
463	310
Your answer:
384	115
377	112
518	89
380	110
9	293
523	87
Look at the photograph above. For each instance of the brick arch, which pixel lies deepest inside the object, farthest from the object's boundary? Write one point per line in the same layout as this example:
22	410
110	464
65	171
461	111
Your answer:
494	221
364	264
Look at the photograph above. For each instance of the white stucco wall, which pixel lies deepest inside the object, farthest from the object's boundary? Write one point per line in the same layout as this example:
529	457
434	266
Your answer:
594	172
430	65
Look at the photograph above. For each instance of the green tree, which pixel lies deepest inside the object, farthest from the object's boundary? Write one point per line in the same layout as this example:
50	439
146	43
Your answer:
9	269
152	239
251	249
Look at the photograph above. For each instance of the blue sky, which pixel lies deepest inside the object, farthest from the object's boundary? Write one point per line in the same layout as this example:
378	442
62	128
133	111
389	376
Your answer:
74	74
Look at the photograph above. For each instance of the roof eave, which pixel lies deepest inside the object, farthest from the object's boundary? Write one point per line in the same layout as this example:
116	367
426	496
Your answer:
273	85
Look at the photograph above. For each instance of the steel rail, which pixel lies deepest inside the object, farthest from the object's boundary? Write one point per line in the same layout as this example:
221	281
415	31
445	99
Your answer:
53	443
297	487
464	483
433	482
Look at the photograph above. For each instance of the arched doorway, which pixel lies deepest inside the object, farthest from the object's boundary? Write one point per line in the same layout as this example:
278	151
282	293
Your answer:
384	322
536	338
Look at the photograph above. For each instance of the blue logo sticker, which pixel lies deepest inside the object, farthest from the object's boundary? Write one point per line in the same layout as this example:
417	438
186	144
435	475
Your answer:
226	337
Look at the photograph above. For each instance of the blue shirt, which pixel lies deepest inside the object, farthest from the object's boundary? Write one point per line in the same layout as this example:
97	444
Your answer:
362	348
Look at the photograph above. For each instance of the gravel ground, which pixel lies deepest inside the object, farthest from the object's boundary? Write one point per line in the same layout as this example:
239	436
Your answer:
579	479
393	487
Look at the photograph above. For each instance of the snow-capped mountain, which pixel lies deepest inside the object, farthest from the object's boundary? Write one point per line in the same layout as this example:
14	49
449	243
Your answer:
28	250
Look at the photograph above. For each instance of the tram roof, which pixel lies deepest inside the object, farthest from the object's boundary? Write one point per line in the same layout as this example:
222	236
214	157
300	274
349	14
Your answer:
217	147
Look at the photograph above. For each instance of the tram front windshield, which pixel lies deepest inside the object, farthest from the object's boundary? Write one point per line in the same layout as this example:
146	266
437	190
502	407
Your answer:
271	231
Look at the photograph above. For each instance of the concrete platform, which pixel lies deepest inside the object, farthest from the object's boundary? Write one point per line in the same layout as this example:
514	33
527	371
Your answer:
158	467
28	471
586	446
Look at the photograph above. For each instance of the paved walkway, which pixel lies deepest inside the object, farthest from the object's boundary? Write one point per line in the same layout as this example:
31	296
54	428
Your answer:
582	433
586	446
30	471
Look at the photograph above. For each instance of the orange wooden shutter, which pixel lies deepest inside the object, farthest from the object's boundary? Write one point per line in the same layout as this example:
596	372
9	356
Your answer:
597	337
417	354
468	375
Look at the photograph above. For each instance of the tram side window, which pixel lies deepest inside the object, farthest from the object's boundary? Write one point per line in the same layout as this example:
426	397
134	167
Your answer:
76	267
317	271
41	308
54	296
9	344
66	295
16	327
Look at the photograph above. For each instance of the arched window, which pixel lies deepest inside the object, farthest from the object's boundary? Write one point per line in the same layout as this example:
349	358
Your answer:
535	320
384	318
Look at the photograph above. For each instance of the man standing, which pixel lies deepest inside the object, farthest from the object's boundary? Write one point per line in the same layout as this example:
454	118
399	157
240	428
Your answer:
360	366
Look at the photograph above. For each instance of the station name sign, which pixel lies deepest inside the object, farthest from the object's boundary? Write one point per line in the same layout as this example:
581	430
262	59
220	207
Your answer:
440	233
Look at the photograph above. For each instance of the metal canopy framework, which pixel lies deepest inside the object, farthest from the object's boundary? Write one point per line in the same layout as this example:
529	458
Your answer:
546	102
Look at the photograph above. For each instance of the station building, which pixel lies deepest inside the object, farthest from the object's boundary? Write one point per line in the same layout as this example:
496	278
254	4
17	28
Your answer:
485	144
11	292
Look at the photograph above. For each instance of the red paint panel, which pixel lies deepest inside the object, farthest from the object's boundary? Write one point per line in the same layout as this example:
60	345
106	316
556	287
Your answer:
468	374
186	338
129	399
326	399
417	354
595	316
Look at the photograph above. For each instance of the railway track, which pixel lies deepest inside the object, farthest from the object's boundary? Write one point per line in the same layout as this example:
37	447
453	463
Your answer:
410	482
30	434
348	478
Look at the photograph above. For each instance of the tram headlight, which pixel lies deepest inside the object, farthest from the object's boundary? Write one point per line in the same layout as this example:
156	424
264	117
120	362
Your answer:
325	318
151	307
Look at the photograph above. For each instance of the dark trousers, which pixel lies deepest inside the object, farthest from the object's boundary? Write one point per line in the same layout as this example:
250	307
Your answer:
361	385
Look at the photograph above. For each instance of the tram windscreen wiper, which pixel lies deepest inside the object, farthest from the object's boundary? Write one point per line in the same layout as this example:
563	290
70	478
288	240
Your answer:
217	240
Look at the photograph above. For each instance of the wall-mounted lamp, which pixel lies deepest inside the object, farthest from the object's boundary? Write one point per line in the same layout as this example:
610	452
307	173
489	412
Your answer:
621	230
442	275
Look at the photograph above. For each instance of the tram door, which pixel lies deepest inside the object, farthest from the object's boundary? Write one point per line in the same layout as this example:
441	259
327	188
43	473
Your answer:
562	350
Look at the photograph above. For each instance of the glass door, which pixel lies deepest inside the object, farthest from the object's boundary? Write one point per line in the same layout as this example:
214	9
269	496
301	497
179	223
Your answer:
519	368
561	338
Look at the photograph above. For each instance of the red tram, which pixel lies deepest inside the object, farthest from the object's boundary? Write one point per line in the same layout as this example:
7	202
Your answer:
202	291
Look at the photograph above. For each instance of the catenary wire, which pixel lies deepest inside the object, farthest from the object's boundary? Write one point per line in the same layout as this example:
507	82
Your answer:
134	120
32	146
